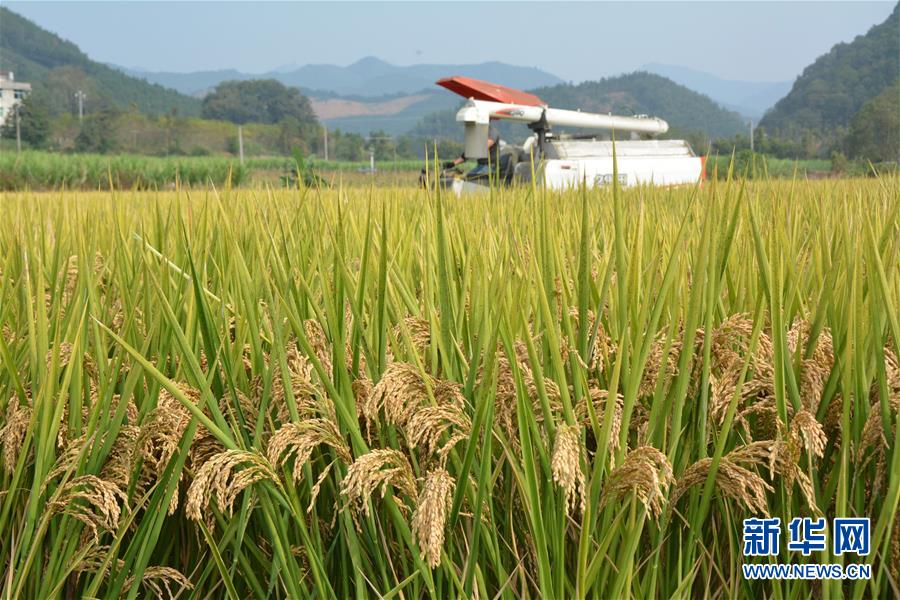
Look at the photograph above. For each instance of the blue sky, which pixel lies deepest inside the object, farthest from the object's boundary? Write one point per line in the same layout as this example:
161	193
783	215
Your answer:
761	41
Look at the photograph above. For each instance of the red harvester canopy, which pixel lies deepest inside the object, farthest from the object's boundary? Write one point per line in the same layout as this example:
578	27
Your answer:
485	90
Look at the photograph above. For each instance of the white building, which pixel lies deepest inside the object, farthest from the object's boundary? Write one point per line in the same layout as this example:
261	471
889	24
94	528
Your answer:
11	93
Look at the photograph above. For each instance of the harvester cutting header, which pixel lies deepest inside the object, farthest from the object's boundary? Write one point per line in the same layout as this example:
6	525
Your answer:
561	161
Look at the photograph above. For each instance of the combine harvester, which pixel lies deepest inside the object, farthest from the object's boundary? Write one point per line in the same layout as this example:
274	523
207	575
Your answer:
561	161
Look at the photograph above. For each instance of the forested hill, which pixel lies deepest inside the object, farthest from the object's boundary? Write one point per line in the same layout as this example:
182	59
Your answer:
58	68
830	91
686	111
646	93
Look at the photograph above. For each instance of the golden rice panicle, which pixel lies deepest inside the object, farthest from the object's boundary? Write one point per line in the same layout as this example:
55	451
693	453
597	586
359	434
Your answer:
428	425
782	456
362	388
873	444
91	500
401	389
449	393
204	446
161	433
63	353
505	396
120	461
430	517
645	472
315	334
730	341
307	395
223	477
599	399
299	440
732	480
249	410
162	582
565	466
662	363
419	331
163	427
377	468
600	344
13	432
9	336
722	387
873	431
892	369
100	264
806	429
71	279
815	370
95	561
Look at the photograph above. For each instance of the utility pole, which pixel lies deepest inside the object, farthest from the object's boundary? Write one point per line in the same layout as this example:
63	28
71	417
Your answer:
372	140
241	144
80	97
18	131
325	129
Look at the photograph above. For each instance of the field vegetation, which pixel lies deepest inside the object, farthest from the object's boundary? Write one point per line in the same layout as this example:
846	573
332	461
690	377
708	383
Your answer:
39	170
48	171
339	393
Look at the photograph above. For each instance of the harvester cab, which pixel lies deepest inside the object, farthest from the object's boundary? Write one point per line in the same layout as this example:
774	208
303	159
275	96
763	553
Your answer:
562	161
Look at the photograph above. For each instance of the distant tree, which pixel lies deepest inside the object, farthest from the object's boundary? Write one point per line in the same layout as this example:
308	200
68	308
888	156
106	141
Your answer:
382	144
174	127
875	130
34	123
763	144
839	163
346	146
257	101
97	133
294	134
446	149
438	124
405	147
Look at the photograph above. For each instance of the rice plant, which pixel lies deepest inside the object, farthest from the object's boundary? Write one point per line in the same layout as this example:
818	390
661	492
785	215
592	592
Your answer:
390	392
49	170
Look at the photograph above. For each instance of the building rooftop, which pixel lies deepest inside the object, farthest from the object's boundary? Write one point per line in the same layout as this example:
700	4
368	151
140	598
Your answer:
8	81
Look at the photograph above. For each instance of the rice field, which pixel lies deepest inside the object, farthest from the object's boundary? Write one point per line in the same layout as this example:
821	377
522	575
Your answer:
36	170
392	393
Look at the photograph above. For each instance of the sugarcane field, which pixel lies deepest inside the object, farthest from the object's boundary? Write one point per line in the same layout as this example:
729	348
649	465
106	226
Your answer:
436	325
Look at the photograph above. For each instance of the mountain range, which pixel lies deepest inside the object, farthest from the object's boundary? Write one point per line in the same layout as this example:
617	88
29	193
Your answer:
372	77
749	98
368	77
367	95
372	94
